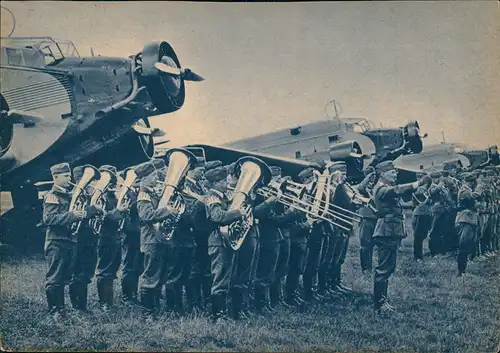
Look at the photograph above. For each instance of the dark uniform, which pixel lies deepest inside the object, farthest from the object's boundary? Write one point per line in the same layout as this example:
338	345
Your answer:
153	244
485	213
200	279
222	256
421	221
439	221
451	194
59	242
367	224
108	245
86	256
132	258
466	223
389	230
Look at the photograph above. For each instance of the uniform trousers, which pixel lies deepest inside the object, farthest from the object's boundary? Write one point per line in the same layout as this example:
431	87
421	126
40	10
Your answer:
467	242
59	258
421	226
315	245
132	262
365	229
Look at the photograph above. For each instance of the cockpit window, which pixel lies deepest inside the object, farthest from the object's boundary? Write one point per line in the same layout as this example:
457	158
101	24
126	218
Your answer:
52	53
15	57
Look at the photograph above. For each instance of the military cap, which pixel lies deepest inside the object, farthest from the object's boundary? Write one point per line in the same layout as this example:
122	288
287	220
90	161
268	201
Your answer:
216	174
434	175
434	191
368	170
158	163
78	173
445	173
144	169
212	165
468	177
196	173
306	174
200	161
60	168
275	170
337	166
384	167
109	168
231	168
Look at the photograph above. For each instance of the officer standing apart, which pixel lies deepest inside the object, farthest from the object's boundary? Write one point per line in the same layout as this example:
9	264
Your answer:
389	229
59	242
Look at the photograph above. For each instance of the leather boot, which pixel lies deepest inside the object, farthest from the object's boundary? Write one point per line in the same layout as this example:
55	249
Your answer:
105	292
147	303
237	301
259	299
193	296
74	296
206	290
378	295
308	292
219	307
51	297
83	290
267	302
322	283
129	294
169	308
178	302
274	294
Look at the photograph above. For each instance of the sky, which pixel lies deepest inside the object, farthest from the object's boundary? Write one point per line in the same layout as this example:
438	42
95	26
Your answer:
276	65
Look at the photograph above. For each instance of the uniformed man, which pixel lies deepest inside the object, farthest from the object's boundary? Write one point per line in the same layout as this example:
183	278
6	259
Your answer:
368	220
153	244
86	256
200	279
108	244
389	229
59	242
450	196
485	185
221	254
132	259
299	232
439	220
467	222
421	221
341	239
271	217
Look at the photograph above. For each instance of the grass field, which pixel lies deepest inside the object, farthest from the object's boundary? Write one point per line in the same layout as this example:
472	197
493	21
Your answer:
437	312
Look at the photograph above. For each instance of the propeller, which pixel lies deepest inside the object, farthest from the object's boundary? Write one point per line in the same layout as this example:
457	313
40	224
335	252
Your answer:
15	116
168	66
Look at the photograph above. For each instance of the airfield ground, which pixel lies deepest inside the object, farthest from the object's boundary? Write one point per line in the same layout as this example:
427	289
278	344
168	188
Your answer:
437	312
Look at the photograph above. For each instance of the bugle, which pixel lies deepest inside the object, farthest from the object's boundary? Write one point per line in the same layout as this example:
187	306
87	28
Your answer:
107	177
79	197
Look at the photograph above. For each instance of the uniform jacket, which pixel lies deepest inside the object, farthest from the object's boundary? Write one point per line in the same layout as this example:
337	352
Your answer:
111	218
216	204
147	203
56	215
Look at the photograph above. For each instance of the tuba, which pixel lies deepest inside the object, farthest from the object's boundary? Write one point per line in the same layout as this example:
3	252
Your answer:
107	178
179	162
252	172
127	194
79	198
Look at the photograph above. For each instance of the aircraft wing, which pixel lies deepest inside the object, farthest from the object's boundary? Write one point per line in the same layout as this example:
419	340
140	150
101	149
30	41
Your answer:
430	159
227	155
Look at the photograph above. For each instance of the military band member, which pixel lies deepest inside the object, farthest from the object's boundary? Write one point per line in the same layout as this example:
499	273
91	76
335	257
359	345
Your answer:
200	279
59	242
389	229
467	222
108	245
85	258
153	244
368	221
341	239
222	256
132	259
485	186
421	221
450	193
270	216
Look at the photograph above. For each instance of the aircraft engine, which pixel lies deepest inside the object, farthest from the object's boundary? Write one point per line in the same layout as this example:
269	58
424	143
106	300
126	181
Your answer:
345	150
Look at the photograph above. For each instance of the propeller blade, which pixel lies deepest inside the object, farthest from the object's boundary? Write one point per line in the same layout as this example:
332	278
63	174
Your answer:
15	116
191	76
168	69
161	142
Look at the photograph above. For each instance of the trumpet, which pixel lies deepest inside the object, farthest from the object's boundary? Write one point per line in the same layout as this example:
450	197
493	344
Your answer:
79	198
107	178
180	161
127	195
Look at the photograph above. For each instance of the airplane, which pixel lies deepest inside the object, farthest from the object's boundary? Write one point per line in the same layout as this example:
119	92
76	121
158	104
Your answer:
354	140
57	106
